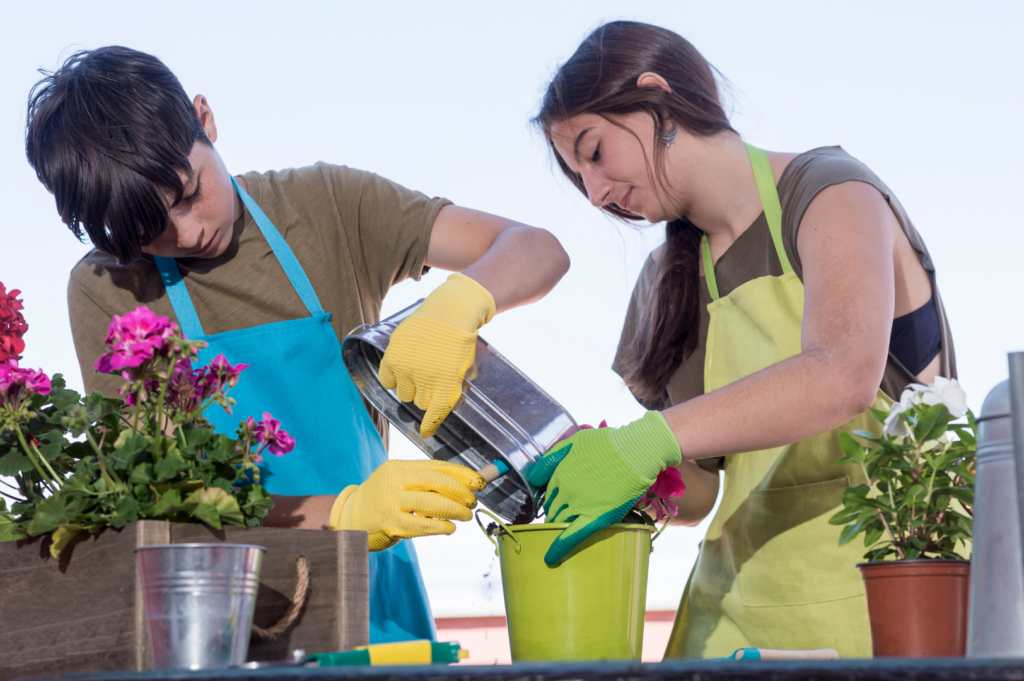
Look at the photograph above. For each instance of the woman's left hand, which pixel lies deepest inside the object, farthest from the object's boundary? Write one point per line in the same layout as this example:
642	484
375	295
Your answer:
594	477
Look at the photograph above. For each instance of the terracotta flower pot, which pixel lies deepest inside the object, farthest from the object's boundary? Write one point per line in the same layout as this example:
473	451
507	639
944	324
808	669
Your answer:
917	608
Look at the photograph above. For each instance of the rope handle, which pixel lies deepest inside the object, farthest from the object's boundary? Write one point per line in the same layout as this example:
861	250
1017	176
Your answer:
298	600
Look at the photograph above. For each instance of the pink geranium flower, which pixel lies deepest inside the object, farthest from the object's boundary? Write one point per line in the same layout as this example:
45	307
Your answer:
226	374
667	486
133	339
269	432
16	383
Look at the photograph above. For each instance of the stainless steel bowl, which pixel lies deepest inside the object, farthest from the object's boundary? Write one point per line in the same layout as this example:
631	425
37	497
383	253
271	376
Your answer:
501	416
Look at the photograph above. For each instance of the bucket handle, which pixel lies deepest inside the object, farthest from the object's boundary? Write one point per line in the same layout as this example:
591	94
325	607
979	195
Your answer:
658	533
504	528
358	329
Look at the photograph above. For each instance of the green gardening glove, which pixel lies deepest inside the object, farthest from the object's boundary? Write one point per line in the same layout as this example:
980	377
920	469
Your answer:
595	477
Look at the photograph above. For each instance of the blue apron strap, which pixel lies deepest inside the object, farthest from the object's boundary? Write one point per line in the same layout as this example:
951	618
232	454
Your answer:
283	252
184	310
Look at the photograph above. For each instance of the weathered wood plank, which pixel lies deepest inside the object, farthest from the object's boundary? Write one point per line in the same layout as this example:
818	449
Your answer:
147	533
85	613
75	613
353	590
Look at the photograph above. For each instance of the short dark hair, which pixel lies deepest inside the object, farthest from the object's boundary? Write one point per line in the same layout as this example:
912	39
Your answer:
108	133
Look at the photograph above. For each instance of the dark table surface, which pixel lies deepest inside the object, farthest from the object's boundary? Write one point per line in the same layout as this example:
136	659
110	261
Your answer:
934	669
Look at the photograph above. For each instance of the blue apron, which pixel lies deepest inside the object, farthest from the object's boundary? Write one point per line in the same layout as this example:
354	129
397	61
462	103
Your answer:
296	373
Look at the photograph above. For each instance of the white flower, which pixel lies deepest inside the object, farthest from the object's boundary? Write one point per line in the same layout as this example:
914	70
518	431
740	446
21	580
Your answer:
943	391
894	425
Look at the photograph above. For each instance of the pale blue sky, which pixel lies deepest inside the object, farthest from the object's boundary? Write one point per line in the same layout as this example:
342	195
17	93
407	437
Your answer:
437	96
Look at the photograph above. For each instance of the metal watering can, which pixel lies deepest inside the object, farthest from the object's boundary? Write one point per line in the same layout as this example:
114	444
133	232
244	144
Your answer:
996	616
501	419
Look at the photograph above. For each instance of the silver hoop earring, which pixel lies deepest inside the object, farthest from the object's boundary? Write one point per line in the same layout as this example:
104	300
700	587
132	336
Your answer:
669	136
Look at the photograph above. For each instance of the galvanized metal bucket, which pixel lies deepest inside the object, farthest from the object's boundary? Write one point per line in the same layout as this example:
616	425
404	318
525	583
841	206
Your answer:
502	416
199	601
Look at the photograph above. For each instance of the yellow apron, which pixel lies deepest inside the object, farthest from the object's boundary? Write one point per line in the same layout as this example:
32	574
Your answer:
770	573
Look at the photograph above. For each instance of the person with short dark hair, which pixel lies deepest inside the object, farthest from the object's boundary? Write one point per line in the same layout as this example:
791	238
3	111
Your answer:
272	269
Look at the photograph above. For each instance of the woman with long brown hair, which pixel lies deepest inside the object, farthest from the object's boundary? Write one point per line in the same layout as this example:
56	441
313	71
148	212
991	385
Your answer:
791	293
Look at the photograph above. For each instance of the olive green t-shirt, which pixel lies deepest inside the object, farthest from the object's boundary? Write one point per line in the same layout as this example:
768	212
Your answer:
354	233
753	255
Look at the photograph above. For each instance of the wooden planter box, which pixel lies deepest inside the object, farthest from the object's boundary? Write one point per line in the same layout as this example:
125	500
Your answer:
84	612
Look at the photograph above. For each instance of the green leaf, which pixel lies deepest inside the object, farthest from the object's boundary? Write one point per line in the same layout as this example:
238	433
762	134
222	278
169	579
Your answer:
932	423
867	435
873	534
127	511
50	514
255	501
79	482
9	531
879	414
844	516
168	467
168	504
51	444
916	494
128	446
850	532
142	474
214	506
14	462
197	437
62	537
964	495
854	451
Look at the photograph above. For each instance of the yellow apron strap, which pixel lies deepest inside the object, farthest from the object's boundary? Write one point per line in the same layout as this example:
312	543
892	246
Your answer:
772	213
769	201
709	268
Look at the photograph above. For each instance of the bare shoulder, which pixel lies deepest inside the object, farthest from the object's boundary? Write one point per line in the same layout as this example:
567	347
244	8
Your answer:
843	214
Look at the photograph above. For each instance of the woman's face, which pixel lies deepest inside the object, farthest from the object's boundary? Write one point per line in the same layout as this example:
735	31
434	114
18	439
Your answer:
616	162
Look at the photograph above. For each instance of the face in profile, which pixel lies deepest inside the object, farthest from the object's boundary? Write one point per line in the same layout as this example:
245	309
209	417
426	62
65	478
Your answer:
615	159
200	225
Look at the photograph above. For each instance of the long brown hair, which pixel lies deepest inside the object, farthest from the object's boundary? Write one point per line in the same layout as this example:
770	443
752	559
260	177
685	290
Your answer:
601	78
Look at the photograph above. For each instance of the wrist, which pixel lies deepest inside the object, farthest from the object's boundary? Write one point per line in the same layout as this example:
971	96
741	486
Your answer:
648	445
338	515
477	300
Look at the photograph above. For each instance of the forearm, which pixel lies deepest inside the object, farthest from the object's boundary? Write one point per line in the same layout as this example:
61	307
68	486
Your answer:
300	512
800	397
521	266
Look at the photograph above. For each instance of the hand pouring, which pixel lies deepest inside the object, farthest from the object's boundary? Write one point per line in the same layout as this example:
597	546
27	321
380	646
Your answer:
501	424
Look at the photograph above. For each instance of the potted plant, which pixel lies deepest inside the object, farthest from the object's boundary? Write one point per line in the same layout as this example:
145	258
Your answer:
915	513
85	481
81	466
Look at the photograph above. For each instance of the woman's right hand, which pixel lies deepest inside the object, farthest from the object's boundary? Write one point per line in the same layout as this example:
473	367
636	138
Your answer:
405	499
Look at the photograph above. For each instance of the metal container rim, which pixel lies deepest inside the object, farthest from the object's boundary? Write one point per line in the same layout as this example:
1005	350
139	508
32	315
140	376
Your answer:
198	545
535	527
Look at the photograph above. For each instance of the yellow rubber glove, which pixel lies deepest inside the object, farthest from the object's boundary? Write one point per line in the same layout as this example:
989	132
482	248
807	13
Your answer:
404	499
430	351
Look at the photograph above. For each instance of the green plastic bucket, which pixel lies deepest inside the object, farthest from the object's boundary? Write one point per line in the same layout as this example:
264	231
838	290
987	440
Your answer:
588	607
